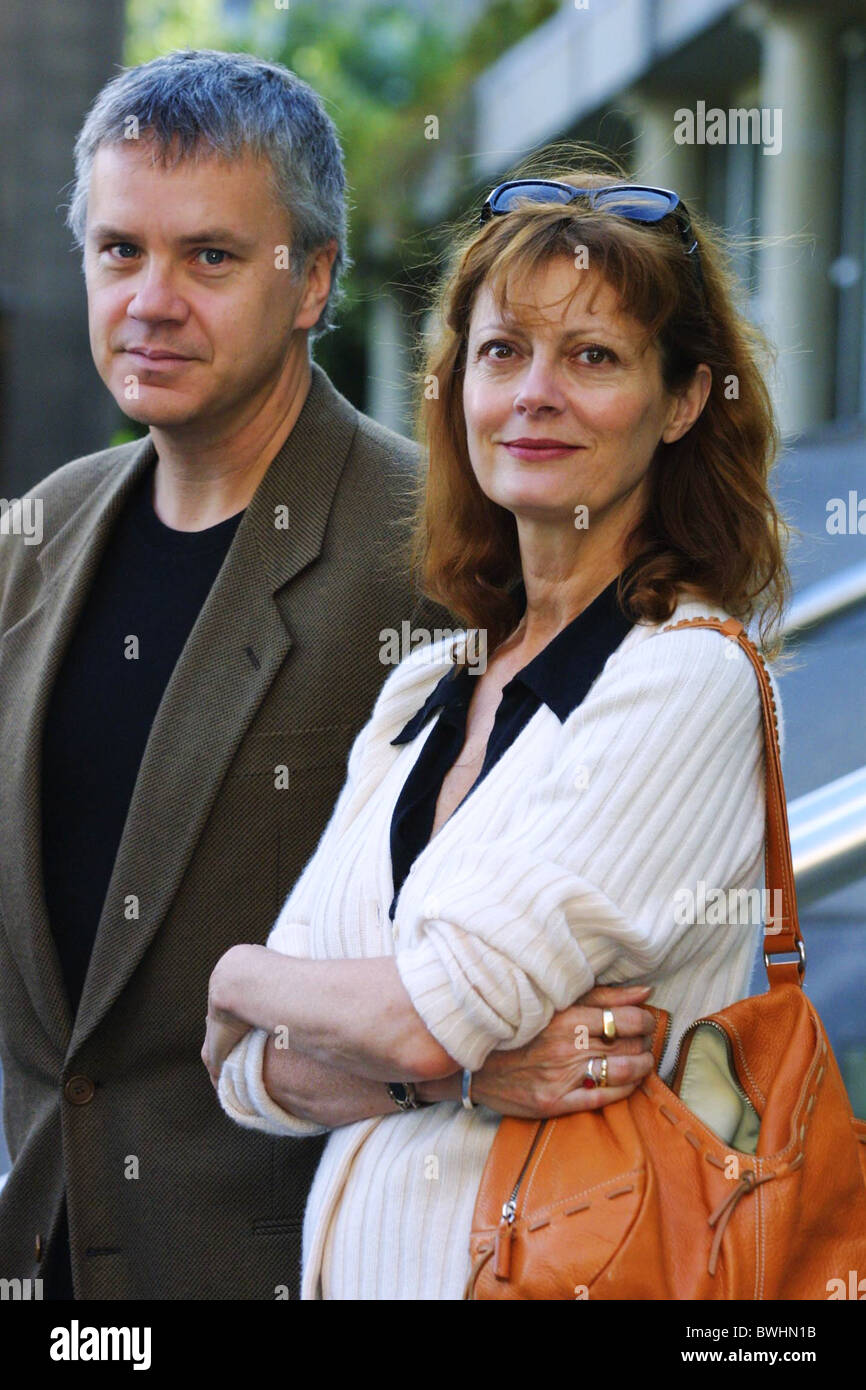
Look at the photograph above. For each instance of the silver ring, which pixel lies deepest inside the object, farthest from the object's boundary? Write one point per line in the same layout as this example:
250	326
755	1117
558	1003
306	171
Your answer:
591	1081
466	1090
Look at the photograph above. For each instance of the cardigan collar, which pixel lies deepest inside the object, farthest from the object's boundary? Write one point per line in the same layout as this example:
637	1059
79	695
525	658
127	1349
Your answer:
559	676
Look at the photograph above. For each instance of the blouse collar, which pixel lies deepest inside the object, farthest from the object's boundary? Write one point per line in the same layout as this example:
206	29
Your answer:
559	676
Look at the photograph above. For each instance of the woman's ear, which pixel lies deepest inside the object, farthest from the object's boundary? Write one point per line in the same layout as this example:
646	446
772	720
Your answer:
688	405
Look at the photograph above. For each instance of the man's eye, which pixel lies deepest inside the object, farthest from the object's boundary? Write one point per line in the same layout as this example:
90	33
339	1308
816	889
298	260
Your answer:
121	248
213	251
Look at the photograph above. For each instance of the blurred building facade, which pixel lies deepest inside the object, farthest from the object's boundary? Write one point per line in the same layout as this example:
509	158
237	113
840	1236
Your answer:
617	73
54	57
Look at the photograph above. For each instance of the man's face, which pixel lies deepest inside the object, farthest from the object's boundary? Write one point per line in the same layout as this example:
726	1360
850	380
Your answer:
184	261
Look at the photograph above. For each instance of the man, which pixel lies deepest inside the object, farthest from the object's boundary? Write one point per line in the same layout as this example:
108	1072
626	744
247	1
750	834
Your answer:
185	661
188	657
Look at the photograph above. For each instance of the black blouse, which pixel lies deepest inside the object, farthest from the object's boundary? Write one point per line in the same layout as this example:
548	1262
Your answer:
558	677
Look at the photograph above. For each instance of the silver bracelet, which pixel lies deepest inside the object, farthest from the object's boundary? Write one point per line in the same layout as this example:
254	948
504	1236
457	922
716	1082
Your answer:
466	1090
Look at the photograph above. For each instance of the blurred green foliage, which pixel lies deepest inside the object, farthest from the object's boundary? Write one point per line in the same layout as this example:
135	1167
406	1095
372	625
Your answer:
382	69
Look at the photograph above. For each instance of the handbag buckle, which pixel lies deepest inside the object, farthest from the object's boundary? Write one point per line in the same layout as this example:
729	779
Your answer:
801	951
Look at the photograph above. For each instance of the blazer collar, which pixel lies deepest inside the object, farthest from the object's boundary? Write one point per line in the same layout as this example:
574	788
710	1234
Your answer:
288	513
89	525
208	703
290	510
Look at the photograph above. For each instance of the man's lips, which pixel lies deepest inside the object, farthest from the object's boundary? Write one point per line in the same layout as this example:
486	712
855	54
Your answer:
155	354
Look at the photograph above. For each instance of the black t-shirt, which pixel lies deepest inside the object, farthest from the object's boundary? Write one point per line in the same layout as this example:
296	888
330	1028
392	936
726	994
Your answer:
150	586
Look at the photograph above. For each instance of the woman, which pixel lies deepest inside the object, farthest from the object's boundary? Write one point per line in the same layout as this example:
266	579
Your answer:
508	839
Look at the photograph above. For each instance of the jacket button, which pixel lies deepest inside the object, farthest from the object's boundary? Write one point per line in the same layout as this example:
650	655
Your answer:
38	1247
79	1090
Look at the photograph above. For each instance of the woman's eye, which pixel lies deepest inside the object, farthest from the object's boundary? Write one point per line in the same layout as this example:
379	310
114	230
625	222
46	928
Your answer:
496	343
598	353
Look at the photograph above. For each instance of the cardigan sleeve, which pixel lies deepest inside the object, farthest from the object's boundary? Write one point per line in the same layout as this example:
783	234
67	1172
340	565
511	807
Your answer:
244	1097
242	1092
659	784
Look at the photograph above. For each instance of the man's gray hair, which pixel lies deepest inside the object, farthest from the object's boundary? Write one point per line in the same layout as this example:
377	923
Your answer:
201	102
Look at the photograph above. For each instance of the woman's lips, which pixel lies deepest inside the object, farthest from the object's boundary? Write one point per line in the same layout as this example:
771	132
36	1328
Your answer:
540	449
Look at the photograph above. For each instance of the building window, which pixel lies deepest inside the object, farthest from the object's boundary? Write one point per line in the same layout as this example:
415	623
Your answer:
732	174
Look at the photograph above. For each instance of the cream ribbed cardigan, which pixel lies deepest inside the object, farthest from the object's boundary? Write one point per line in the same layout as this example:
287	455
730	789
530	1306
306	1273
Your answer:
562	868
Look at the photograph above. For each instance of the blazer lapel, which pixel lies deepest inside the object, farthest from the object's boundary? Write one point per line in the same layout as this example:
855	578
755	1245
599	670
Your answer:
30	656
239	641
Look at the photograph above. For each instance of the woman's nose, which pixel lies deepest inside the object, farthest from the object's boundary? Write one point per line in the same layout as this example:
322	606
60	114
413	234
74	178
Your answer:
539	389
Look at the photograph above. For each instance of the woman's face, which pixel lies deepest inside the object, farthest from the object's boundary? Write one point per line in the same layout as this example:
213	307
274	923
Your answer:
565	406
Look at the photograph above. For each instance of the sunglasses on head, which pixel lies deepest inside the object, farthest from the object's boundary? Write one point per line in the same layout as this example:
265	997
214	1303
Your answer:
635	201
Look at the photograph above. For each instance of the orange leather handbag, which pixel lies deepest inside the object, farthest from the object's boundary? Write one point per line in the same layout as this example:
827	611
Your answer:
744	1178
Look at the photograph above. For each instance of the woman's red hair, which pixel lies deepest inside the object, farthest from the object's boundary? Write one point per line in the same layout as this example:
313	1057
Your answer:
711	523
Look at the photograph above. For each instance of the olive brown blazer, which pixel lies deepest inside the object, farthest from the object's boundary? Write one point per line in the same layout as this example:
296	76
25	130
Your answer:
167	1198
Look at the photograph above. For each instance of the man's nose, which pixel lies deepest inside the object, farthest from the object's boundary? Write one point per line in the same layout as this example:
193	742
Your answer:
156	295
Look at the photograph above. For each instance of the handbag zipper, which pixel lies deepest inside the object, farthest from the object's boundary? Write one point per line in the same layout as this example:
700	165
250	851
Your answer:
504	1231
708	1023
666	1038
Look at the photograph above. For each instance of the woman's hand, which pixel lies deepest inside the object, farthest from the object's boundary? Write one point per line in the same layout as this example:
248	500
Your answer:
545	1077
222	1034
223	1028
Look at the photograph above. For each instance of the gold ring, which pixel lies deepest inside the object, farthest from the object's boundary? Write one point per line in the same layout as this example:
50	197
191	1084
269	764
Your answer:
603	1081
608	1024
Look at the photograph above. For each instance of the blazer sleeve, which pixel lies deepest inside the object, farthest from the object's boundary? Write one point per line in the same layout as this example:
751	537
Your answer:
241	1089
660	783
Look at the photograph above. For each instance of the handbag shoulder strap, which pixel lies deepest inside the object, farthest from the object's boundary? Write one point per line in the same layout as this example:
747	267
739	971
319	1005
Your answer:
782	935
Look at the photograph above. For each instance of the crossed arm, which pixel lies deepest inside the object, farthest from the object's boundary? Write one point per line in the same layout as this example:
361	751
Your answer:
329	1053
663	778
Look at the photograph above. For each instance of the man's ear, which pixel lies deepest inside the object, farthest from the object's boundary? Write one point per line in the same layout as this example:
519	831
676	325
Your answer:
317	285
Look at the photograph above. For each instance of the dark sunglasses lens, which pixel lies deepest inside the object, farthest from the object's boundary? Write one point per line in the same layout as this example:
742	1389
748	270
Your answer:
507	198
638	206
